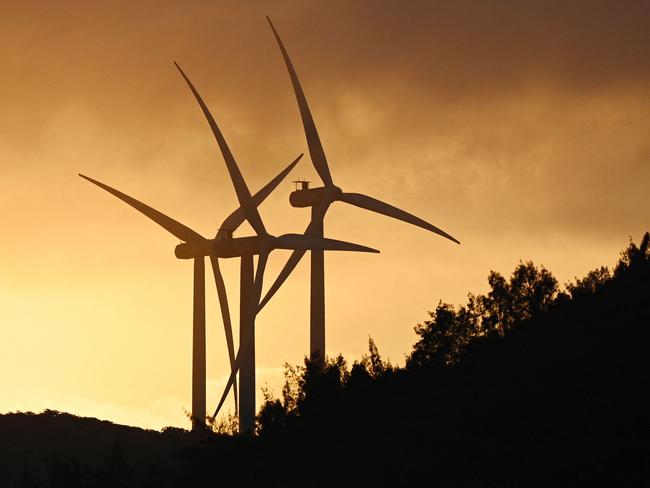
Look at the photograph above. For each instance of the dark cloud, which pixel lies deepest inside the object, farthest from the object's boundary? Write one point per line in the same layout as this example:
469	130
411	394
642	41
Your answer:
493	98
464	47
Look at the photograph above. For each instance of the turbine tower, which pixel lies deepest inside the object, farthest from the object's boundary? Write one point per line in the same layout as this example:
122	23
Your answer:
319	200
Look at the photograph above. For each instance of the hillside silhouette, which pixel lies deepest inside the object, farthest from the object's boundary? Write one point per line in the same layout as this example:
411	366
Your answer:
531	384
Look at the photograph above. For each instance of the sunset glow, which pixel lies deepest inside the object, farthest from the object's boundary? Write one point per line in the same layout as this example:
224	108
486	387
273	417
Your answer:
524	136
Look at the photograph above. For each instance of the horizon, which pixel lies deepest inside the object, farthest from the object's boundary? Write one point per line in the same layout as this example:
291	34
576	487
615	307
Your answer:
520	131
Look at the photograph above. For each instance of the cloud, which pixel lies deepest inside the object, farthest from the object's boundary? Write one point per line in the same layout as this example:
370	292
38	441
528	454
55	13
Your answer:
519	127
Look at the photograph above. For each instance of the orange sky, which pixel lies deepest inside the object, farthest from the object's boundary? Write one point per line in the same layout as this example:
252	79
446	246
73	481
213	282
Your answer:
521	130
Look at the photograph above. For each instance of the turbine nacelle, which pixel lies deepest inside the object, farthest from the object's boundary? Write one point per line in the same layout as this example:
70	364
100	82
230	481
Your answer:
195	249
313	197
222	248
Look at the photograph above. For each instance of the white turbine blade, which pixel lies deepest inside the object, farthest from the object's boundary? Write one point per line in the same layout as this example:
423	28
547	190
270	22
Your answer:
232	381
316	150
225	314
300	244
294	259
380	207
175	228
235	219
243	194
259	275
303	242
290	265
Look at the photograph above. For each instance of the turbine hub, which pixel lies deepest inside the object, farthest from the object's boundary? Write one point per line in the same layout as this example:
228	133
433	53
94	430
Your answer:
334	193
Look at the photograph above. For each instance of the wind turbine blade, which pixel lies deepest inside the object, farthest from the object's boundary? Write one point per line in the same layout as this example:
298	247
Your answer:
170	225
232	381
378	206
290	265
316	150
301	243
259	275
235	219
293	260
225	314
305	243
243	195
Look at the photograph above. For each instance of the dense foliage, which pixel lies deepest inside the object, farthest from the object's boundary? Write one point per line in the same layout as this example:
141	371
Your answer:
526	385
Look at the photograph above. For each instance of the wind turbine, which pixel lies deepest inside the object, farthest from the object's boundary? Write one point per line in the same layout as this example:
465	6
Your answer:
319	200
196	247
251	283
202	247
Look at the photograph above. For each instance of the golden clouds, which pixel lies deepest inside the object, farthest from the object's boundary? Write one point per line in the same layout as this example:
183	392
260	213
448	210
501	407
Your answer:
521	128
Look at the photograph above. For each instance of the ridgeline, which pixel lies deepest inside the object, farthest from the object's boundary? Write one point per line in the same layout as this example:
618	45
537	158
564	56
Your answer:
528	385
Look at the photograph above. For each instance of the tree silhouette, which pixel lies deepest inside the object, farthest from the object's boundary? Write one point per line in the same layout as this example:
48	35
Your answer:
443	339
529	292
525	385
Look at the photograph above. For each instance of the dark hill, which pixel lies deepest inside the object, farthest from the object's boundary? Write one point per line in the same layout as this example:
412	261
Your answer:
54	444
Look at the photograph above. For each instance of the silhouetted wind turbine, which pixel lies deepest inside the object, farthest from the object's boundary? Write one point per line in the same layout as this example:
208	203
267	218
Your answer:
251	285
319	199
197	247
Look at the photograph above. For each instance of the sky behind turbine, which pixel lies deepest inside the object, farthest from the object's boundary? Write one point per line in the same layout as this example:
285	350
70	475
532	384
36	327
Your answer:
520	129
